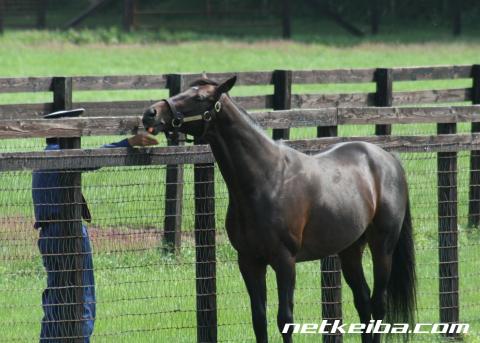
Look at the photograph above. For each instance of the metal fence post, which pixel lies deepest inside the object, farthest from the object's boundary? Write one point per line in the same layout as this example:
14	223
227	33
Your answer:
474	196
448	232
383	96
71	224
282	98
205	254
172	237
331	273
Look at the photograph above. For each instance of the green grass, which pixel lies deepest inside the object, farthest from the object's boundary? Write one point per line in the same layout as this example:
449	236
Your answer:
144	296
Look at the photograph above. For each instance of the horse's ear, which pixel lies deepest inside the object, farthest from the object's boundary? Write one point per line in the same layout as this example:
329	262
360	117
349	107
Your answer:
226	86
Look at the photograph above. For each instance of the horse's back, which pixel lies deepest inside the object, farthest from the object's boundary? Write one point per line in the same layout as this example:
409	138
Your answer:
370	166
369	159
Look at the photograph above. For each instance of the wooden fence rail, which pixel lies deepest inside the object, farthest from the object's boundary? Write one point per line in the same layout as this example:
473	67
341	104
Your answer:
199	154
289	111
267	78
334	76
255	102
284	119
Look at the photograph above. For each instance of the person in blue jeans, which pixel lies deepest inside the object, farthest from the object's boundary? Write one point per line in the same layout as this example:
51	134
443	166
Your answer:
57	300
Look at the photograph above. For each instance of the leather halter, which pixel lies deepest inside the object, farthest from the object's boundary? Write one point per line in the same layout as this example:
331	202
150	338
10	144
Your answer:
178	119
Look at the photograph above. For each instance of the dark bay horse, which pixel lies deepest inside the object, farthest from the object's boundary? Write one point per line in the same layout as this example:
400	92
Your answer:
287	207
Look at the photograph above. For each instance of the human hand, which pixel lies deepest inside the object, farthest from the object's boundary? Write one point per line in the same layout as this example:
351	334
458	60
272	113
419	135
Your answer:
142	139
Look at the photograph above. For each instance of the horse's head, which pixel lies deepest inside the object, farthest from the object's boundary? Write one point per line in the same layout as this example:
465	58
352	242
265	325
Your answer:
188	112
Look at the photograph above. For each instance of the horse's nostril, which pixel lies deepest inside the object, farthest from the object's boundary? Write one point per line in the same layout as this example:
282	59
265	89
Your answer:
151	112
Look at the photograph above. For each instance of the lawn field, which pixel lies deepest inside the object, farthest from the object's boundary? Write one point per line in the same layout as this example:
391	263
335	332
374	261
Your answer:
145	296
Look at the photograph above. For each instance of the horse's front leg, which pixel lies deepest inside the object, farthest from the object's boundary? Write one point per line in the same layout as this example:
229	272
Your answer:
284	267
254	273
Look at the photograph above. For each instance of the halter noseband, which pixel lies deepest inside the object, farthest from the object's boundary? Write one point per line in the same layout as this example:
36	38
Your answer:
178	118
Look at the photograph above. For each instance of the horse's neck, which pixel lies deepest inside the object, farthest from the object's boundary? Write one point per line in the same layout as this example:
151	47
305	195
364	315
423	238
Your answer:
245	155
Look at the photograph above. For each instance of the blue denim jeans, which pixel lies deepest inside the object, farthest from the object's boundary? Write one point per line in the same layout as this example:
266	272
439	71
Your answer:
58	300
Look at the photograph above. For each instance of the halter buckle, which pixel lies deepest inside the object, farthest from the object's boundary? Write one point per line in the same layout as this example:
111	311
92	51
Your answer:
207	116
177	122
218	106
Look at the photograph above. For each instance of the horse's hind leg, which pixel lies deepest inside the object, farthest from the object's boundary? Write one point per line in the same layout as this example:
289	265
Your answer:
352	269
381	241
254	273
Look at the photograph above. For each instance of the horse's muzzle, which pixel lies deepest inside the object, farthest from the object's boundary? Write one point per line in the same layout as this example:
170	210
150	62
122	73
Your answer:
150	123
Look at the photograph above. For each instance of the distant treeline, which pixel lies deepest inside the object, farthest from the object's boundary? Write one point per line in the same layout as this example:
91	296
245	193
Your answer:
402	9
359	17
352	15
407	9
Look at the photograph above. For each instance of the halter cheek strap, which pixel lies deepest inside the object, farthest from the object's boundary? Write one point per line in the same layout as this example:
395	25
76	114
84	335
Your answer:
178	118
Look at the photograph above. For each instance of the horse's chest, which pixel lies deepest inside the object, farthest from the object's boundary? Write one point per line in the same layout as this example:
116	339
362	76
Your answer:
248	235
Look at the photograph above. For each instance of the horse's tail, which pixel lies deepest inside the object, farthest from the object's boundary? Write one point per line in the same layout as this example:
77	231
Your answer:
401	291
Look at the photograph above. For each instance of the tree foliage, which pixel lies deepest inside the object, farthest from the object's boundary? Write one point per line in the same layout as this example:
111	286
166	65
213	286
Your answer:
359	9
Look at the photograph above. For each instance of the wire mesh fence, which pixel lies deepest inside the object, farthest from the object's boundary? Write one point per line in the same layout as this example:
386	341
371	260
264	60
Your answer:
146	294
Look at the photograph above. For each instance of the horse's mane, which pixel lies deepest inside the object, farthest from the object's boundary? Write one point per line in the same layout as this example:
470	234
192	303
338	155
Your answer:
250	119
203	82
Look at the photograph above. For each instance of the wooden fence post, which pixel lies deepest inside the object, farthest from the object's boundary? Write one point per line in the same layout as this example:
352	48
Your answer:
282	98
71	225
383	96
448	232
2	15
208	8
128	15
172	236
374	16
457	16
42	14
286	19
205	251
331	273
474	196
